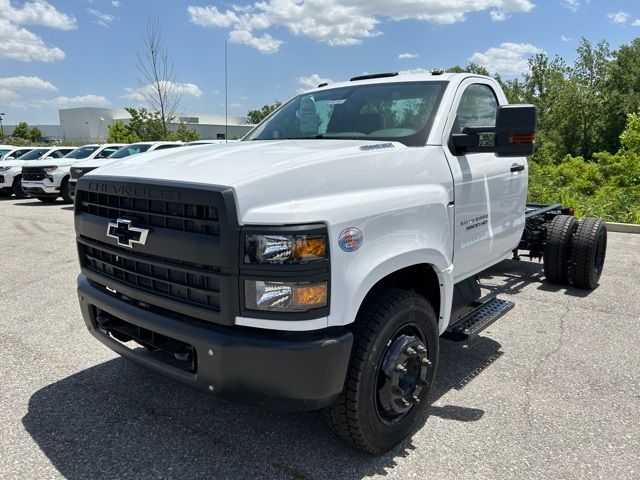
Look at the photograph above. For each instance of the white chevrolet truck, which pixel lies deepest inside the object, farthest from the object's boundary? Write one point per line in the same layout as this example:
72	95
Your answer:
121	151
317	263
48	179
11	166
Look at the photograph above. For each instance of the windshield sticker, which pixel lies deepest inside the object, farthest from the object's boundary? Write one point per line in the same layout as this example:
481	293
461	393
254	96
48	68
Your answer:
337	102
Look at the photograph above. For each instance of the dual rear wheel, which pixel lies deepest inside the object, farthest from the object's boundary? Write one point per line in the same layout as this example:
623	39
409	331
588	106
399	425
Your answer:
575	251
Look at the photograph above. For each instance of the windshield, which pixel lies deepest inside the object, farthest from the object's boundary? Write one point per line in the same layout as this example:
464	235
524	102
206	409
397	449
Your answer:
4	151
401	112
133	149
82	152
34	154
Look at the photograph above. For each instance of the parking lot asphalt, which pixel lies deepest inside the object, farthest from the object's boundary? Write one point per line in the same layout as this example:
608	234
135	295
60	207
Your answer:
552	390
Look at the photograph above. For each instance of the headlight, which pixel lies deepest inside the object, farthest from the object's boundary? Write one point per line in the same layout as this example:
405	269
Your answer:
284	296
4	169
50	169
284	249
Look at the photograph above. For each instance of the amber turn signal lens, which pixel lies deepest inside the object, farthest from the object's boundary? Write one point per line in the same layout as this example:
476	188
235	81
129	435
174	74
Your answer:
522	138
309	248
311	295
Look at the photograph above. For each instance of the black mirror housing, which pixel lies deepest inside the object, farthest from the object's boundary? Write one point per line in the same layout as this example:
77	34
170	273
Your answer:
515	130
513	135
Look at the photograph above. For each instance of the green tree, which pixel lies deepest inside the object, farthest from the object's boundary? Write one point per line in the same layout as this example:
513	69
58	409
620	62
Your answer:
256	116
119	132
35	135
21	130
184	133
147	126
623	87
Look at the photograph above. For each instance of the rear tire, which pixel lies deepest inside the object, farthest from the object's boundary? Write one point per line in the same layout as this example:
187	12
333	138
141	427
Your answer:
588	252
47	199
381	403
18	192
64	191
557	248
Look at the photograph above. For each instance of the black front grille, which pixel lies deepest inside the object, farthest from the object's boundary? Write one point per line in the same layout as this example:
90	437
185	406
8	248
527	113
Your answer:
33	173
193	284
183	217
78	172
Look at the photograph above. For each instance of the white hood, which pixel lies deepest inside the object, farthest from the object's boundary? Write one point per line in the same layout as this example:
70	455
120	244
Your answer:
286	180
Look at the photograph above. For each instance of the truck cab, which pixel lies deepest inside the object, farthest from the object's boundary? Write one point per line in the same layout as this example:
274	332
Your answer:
318	262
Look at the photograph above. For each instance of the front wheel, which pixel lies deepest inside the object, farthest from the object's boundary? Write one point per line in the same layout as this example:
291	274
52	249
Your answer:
65	192
18	192
392	367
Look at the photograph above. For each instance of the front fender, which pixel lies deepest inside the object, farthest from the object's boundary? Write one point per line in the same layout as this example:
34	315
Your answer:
415	235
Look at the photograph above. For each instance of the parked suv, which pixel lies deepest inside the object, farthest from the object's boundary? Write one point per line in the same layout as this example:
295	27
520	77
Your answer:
49	179
81	168
11	174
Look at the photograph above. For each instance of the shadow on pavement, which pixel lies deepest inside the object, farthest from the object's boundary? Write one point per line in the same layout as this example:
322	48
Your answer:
513	276
118	420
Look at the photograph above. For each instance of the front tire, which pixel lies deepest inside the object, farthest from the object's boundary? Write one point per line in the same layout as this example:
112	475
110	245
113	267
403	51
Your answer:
392	366
18	192
64	191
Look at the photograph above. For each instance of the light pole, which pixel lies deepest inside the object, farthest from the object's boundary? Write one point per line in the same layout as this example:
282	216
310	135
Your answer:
1	127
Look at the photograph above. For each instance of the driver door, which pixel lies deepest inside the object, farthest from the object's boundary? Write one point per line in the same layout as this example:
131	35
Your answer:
489	198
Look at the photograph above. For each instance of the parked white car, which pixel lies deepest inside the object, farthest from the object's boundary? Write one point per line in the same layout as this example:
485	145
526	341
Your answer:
12	164
4	149
80	168
49	179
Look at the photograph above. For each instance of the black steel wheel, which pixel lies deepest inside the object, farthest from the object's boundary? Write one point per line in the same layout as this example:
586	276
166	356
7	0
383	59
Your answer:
557	248
588	252
390	374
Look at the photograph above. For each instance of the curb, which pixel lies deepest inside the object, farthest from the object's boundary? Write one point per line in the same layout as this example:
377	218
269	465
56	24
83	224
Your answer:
623	227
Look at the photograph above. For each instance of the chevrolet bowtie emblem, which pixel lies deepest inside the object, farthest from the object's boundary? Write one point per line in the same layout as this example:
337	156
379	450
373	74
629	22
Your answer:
126	234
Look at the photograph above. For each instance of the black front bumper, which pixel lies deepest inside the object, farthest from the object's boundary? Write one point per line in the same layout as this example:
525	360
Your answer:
282	370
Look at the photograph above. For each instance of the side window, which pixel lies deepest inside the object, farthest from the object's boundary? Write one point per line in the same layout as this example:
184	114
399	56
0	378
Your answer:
478	108
56	154
106	152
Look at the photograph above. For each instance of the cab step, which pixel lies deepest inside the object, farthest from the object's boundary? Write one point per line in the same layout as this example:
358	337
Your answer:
477	320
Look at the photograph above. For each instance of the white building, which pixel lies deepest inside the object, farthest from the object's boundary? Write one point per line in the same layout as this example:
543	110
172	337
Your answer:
92	124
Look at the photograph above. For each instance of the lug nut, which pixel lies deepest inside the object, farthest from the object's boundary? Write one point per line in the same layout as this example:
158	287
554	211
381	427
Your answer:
401	368
421	349
425	361
416	399
405	403
411	352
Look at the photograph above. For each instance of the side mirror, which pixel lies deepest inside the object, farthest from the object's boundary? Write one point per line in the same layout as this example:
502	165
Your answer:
513	136
10	158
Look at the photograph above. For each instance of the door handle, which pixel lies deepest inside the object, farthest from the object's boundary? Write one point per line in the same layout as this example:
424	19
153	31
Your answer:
516	168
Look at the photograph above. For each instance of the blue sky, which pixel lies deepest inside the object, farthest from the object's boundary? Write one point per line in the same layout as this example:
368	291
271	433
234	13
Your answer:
64	53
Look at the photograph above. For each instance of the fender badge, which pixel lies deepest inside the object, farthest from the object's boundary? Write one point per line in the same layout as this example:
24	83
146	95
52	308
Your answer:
350	239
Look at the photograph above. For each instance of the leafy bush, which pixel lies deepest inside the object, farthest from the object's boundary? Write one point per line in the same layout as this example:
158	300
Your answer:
608	186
